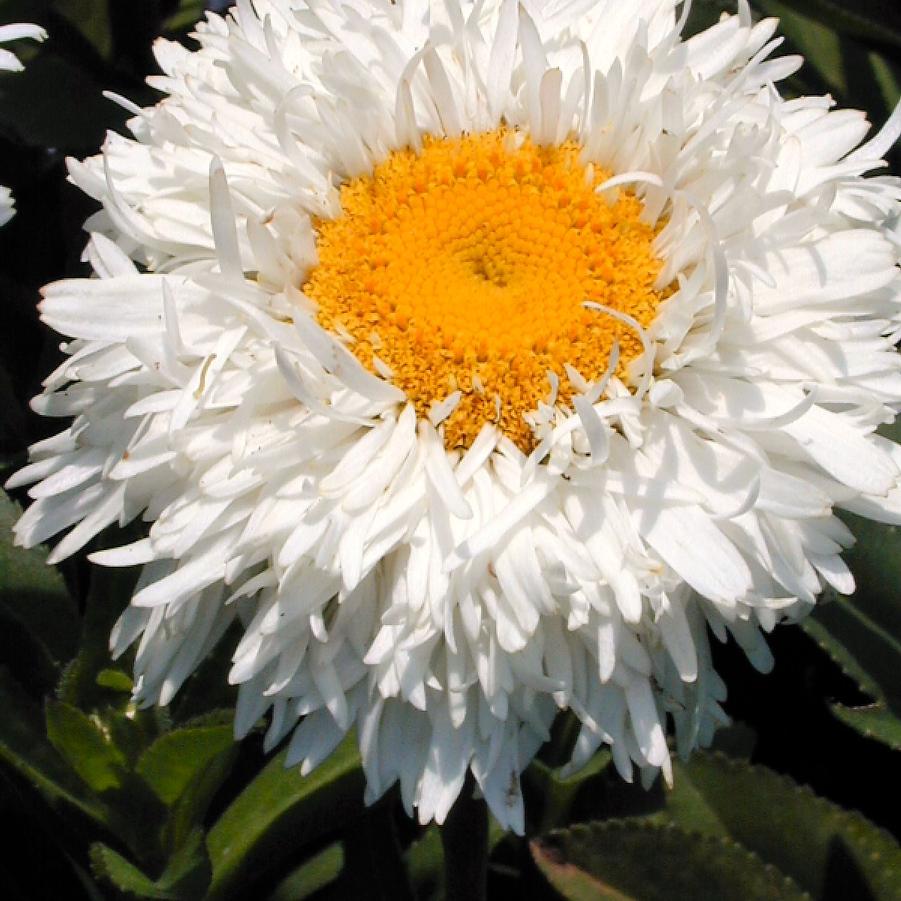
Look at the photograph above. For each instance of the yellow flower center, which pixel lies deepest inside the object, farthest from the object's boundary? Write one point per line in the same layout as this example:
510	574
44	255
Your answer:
465	267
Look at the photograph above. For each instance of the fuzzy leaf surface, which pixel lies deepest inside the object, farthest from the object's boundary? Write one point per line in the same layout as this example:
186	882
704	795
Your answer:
621	860
173	763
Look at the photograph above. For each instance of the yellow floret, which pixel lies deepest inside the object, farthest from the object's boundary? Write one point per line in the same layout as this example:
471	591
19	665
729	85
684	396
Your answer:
466	266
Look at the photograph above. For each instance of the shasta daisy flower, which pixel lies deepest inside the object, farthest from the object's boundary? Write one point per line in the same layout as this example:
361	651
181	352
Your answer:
479	359
9	62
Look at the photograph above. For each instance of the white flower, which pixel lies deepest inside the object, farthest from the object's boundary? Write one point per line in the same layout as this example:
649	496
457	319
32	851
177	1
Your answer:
20	31
7	205
327	263
9	62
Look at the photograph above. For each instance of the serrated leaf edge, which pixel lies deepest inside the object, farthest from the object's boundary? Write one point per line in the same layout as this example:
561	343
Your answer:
876	706
637	824
98	855
827	806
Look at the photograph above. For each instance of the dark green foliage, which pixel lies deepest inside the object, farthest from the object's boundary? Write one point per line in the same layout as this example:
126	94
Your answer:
777	840
280	810
807	837
862	634
620	859
38	619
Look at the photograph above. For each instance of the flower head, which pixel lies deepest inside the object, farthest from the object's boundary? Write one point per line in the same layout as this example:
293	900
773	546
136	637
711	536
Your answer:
479	359
9	62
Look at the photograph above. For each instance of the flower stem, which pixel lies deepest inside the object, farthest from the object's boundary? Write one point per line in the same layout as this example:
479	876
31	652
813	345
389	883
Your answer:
464	837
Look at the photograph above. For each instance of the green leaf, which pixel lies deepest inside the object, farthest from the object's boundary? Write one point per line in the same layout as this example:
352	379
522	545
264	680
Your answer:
821	846
875	21
280	811
187	874
186	16
875	721
888	77
86	881
91	18
24	747
185	768
870	655
115	680
102	747
425	865
737	740
820	44
176	760
853	636
622	860
320	870
185	878
112	867
81	740
33	593
131	730
861	77
862	633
